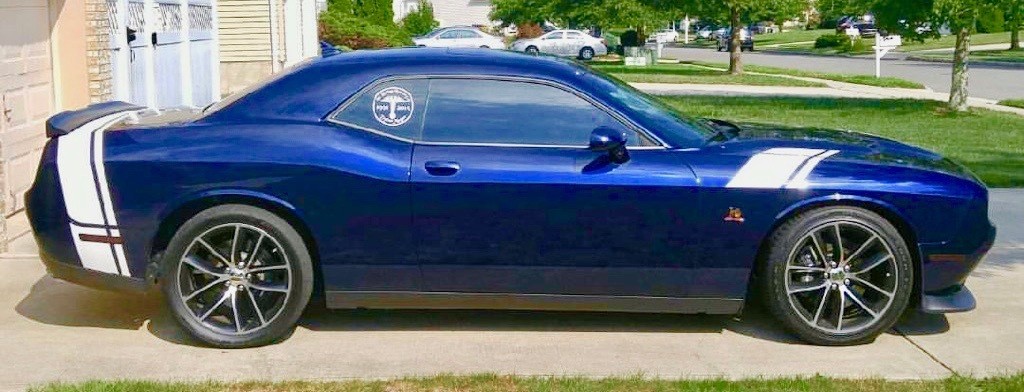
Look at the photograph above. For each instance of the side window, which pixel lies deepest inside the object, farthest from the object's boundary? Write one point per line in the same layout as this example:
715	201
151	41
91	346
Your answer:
573	35
394	107
512	112
450	34
557	35
470	34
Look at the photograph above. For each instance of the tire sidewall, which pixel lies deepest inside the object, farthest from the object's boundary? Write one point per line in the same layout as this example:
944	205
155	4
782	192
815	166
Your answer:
291	243
785	239
586	54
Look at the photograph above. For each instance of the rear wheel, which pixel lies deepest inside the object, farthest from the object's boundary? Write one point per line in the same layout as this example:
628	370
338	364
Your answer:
837	275
237	276
532	50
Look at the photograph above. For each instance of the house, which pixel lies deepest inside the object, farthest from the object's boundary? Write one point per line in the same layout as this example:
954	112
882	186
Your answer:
449	12
64	54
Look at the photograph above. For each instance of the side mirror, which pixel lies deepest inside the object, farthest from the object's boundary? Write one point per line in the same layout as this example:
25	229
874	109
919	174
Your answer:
611	141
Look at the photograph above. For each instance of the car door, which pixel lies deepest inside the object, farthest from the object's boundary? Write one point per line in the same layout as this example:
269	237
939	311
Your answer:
449	39
574	41
507	199
551	43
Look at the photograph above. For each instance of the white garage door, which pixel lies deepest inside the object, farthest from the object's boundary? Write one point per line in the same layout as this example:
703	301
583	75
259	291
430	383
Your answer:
27	94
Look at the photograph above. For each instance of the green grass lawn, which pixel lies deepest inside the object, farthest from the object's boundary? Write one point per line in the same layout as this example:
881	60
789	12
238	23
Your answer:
808	48
990	143
1006	56
869	80
950	40
495	383
686	73
1017	103
787	37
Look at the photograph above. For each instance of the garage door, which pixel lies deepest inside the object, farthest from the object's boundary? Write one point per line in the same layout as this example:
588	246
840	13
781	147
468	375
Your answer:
27	94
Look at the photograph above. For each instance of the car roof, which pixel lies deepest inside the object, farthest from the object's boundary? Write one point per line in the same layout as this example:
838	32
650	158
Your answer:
313	89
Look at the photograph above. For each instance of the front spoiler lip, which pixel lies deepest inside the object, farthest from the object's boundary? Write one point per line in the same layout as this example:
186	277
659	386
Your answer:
961	300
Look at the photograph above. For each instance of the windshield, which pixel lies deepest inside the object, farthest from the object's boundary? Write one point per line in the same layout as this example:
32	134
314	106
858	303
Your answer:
671	125
434	33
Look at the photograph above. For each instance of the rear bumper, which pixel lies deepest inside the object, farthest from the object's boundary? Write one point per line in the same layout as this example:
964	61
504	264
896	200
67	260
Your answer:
92	279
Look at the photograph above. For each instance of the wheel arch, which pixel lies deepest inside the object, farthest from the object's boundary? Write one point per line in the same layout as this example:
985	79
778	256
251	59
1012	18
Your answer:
885	210
180	212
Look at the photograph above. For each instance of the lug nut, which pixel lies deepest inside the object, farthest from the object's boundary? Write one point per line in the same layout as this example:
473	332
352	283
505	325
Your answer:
846	282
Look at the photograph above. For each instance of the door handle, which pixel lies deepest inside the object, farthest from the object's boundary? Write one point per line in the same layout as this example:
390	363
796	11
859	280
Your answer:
442	168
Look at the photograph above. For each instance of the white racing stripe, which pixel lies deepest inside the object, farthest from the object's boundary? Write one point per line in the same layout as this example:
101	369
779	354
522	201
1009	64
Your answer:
83	182
779	167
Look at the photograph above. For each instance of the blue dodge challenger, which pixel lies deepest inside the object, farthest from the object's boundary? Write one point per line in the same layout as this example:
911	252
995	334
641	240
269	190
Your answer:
474	179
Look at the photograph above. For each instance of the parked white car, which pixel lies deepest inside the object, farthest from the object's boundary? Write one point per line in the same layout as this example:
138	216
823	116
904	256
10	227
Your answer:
573	43
666	35
459	37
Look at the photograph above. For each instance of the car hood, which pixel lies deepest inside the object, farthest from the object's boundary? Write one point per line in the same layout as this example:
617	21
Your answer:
851	146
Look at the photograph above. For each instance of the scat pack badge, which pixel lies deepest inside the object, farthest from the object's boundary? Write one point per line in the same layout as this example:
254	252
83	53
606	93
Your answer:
393	106
734	215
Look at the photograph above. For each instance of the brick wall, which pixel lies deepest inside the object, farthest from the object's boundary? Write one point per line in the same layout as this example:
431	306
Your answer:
98	51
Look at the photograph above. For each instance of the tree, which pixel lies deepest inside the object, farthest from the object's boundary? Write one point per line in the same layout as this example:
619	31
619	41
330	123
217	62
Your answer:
420	21
1013	11
920	19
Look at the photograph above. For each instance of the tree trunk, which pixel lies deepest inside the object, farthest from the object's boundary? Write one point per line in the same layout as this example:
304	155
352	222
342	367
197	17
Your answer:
1015	37
735	62
958	91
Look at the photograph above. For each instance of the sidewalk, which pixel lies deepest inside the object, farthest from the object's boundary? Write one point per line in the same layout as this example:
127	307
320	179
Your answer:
834	89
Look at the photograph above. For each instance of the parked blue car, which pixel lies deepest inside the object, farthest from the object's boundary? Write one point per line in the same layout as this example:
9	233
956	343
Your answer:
472	179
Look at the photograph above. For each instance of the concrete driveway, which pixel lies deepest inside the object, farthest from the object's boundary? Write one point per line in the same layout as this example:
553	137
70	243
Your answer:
986	81
51	330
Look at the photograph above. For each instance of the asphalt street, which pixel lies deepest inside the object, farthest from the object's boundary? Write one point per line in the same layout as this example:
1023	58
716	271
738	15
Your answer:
53	330
985	81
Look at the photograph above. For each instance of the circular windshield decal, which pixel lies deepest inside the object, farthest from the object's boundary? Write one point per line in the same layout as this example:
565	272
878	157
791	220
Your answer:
392	106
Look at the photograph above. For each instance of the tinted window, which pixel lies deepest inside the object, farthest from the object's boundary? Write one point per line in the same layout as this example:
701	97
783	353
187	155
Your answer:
470	34
450	34
394	107
573	35
511	112
557	35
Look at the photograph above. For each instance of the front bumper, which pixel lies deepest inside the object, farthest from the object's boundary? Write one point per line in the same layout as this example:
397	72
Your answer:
943	289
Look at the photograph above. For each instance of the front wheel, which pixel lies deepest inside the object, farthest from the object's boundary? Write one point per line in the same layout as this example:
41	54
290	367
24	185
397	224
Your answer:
532	50
237	276
586	54
837	275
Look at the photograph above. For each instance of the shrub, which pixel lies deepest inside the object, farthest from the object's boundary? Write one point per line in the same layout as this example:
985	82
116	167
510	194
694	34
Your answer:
856	46
630	38
420	21
991	20
831	41
341	29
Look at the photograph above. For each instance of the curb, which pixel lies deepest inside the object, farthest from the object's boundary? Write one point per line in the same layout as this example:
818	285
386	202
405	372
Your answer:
997	64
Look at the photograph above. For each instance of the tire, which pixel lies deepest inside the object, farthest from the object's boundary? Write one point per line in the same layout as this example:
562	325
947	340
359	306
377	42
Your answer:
586	53
826	295
532	50
268	290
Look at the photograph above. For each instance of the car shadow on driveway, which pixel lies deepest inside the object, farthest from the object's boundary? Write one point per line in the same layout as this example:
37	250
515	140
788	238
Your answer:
55	302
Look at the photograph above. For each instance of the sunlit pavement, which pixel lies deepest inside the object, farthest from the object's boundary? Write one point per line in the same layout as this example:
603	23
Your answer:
51	330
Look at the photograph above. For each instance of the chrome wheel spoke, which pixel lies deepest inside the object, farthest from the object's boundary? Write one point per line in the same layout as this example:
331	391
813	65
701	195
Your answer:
271	288
842	309
856	299
267	268
213	251
234	310
201	266
821	307
839	244
255	250
872	286
806	288
204	288
208	312
256	307
234	246
882	257
860	250
818	248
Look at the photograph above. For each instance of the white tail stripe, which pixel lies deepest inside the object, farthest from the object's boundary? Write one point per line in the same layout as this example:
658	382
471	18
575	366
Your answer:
83	182
776	167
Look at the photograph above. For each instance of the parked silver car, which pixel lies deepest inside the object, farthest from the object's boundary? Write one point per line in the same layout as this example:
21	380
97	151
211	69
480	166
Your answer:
459	37
563	43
